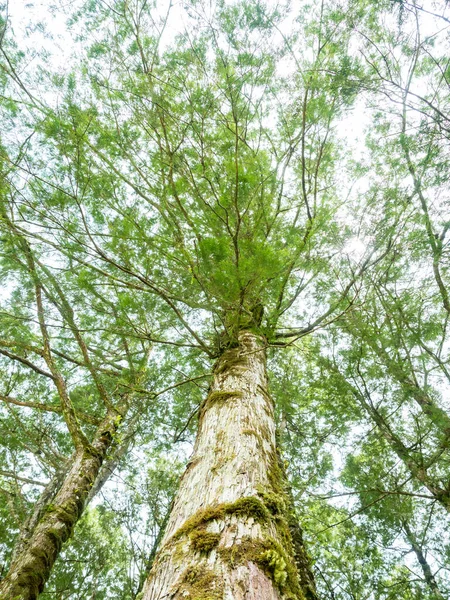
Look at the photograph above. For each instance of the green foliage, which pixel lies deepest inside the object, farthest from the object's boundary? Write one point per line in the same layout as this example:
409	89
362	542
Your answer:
166	186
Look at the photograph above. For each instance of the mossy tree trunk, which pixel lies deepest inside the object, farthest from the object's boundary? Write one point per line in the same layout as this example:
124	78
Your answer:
231	534
31	568
49	492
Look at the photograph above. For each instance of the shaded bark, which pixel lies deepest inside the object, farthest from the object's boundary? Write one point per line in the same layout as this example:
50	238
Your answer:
301	557
230	532
30	569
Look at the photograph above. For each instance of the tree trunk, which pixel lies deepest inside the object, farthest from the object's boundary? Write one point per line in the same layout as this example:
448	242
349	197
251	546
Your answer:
153	553
30	569
418	471
229	534
114	458
437	415
50	491
426	569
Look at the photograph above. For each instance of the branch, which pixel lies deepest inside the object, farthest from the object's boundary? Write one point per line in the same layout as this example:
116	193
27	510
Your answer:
24	479
49	408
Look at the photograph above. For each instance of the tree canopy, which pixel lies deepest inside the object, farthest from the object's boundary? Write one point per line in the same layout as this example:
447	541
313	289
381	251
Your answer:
171	174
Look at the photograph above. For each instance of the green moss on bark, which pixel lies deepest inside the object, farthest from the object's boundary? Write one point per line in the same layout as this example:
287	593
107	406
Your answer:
222	397
271	557
230	362
275	475
252	432
218	398
288	528
275	503
200	583
245	507
203	541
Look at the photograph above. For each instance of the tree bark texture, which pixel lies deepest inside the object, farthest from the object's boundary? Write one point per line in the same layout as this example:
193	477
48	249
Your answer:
229	535
50	491
30	569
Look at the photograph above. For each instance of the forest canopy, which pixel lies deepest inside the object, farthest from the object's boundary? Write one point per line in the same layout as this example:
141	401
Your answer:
225	299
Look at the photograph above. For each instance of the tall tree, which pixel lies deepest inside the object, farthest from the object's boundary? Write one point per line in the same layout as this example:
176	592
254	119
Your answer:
192	193
208	187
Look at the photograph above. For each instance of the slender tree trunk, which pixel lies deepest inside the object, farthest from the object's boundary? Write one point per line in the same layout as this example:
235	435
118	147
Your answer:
114	458
426	569
437	415
229	533
57	481
50	491
418	471
30	569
